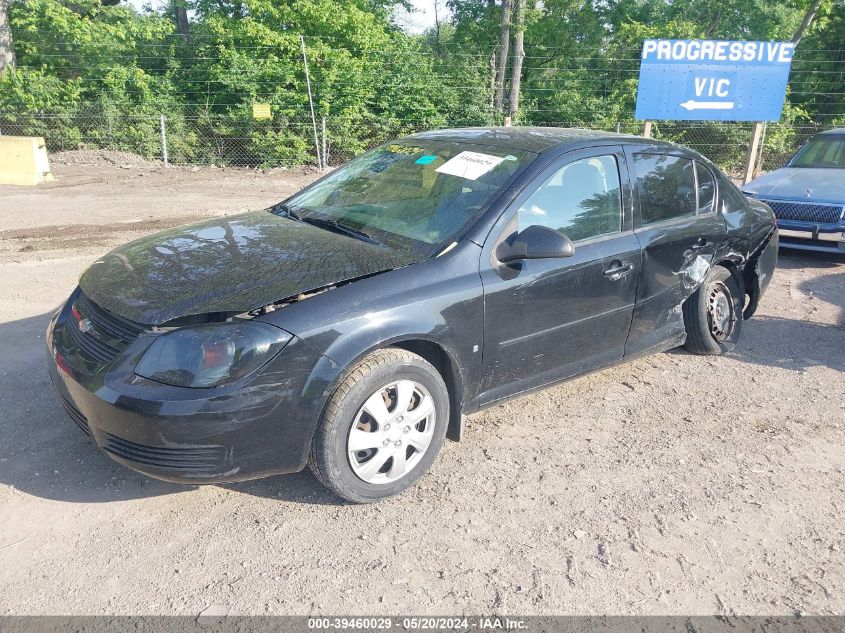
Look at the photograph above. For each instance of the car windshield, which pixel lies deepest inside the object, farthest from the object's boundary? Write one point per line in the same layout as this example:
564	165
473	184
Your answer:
822	151
411	194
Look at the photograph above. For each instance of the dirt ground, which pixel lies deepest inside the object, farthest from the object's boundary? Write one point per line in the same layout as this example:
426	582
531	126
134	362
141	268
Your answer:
675	484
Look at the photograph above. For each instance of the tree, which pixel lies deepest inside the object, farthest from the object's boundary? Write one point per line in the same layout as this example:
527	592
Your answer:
7	49
809	16
504	43
102	75
180	17
822	49
518	57
436	28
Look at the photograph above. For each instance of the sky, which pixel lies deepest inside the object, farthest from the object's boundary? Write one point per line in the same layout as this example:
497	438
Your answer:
423	16
416	22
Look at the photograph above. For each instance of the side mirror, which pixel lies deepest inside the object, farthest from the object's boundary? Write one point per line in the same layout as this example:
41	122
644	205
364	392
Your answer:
535	242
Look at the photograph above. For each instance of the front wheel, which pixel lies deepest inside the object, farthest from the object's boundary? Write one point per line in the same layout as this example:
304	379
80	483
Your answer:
382	428
713	314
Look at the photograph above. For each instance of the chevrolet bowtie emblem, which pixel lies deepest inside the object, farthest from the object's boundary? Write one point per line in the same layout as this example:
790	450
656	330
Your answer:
85	325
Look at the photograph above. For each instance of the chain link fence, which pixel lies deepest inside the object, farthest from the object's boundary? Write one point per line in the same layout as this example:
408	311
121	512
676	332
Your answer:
240	140
214	102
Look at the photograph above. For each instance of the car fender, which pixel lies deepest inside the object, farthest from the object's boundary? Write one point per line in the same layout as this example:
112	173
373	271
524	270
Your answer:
436	304
347	351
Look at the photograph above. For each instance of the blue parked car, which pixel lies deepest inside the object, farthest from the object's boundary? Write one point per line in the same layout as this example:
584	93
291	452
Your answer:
808	195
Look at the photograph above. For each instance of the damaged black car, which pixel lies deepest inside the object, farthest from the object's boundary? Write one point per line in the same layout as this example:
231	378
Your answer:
353	326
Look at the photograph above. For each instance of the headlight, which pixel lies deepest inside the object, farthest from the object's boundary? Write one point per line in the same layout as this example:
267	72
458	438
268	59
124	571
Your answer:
211	355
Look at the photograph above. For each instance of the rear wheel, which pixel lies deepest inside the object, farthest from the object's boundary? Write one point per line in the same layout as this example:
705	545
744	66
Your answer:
382	428
713	314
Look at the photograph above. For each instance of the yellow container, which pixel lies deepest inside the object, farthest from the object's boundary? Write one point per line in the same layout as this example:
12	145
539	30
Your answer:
23	160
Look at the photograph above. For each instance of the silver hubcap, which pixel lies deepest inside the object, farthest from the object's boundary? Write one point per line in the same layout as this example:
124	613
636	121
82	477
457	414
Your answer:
719	312
391	432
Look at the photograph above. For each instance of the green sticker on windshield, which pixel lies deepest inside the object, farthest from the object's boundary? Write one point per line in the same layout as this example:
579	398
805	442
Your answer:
425	160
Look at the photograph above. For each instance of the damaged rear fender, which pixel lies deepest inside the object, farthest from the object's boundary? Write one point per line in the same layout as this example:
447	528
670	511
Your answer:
758	272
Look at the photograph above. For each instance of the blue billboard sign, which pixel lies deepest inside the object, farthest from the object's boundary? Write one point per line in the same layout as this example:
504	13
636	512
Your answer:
713	80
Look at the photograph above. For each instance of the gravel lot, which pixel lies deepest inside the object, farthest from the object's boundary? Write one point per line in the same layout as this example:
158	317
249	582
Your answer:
675	484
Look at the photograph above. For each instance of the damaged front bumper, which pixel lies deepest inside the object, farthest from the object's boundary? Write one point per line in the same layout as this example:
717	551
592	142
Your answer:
225	434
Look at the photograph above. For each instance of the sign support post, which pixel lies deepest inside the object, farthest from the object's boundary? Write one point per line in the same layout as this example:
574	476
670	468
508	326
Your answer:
751	156
647	130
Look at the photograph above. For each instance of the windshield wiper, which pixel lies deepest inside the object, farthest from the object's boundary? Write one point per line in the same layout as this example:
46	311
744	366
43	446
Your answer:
286	211
334	225
327	223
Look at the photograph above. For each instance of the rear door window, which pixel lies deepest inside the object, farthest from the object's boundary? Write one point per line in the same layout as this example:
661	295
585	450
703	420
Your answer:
666	186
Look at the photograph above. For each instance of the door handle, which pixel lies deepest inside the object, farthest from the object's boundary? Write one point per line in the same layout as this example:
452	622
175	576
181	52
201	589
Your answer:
618	271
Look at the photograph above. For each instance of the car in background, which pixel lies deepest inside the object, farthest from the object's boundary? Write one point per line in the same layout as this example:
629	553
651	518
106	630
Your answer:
808	195
352	326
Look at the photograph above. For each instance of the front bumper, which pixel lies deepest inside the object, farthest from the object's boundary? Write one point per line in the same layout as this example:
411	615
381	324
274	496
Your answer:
232	433
812	237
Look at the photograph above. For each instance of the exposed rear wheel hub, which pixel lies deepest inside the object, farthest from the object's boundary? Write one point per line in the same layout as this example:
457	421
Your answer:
720	311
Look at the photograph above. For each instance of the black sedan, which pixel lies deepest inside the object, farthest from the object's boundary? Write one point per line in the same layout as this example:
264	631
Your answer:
354	325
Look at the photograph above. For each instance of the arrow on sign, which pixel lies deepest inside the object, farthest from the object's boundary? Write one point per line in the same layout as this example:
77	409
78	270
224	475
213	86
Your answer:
707	105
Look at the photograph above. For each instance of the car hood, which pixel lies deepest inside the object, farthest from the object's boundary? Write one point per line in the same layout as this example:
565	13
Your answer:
231	264
824	185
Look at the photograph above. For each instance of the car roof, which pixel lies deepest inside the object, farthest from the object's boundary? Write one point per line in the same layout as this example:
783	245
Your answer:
839	130
531	139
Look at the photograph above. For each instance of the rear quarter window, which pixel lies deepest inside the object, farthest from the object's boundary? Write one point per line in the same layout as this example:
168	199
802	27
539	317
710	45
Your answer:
732	198
706	188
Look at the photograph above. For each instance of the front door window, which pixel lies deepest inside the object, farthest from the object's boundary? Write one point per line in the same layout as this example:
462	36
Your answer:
582	200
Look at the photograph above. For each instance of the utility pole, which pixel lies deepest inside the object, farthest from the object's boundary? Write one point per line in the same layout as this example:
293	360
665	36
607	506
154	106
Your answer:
311	103
492	102
7	48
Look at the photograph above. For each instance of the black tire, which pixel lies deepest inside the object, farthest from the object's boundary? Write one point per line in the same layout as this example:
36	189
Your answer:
706	332
329	458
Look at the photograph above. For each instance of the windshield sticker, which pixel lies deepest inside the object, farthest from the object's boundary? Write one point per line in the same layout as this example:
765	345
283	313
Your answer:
511	157
425	160
469	165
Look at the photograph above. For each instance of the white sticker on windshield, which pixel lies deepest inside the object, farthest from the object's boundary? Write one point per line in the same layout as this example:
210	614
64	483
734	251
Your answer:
469	165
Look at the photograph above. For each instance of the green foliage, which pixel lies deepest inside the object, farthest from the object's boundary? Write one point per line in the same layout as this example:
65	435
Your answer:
96	75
